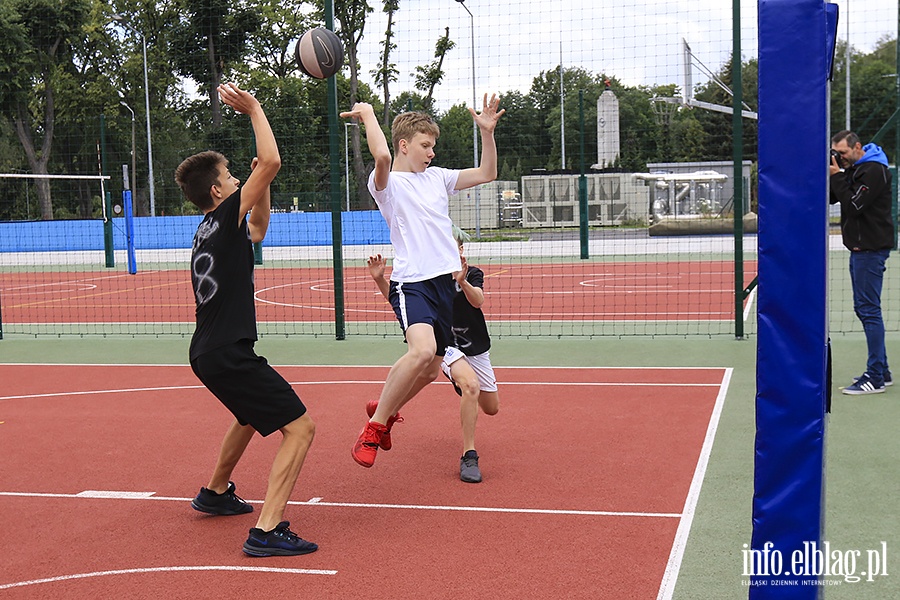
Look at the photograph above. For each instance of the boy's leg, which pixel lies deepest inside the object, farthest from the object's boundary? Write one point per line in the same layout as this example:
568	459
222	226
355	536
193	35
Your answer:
489	402
297	437
233	445
467	381
404	376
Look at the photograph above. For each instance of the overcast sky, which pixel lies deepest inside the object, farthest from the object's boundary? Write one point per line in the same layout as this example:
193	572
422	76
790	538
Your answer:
638	41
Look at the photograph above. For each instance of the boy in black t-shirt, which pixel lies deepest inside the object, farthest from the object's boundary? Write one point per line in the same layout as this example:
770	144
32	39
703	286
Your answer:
221	351
467	364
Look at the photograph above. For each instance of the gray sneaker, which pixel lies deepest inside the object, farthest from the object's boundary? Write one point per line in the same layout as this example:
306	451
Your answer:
468	467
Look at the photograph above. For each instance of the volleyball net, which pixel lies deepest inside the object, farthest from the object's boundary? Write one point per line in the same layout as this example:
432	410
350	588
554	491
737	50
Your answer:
624	204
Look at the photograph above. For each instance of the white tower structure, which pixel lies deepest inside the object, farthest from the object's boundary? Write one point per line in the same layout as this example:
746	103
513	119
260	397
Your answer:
607	128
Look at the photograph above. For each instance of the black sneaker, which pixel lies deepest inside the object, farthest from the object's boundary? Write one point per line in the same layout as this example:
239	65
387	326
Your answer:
281	541
468	467
226	503
888	379
446	371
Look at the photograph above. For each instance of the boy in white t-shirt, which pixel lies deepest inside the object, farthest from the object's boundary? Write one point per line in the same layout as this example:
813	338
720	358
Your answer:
413	198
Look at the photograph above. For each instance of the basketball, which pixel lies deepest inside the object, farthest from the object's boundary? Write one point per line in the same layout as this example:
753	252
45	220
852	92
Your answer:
319	53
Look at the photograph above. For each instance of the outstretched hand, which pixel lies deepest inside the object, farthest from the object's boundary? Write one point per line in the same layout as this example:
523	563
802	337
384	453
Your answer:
241	101
489	115
359	110
376	266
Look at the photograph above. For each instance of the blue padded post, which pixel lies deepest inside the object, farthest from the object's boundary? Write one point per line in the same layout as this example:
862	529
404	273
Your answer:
794	61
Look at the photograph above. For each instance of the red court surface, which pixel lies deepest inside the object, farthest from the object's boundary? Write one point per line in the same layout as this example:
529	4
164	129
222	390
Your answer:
590	480
632	291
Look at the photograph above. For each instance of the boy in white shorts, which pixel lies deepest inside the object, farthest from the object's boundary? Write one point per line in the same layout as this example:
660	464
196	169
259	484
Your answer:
467	363
413	198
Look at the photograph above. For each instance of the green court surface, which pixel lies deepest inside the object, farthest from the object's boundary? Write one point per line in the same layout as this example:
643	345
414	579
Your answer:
861	448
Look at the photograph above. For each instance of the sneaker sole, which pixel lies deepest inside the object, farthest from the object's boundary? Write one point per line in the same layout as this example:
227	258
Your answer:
861	392
210	510
259	553
359	462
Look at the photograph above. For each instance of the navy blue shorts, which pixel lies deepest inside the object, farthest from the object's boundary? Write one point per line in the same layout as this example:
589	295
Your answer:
429	301
249	387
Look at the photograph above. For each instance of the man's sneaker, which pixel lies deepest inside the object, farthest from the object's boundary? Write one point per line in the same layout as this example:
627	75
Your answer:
864	385
366	447
888	379
385	442
281	541
468	467
226	503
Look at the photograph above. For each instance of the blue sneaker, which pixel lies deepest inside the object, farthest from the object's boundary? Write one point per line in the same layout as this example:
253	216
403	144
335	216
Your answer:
888	379
226	503
864	385
281	541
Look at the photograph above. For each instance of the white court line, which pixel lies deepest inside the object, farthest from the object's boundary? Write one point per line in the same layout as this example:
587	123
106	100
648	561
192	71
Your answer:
747	309
7	586
673	566
359	382
93	494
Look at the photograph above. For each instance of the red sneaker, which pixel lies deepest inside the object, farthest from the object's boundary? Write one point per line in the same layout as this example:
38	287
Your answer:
366	446
386	436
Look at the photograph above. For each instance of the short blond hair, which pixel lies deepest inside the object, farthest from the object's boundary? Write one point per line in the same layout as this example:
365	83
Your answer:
408	124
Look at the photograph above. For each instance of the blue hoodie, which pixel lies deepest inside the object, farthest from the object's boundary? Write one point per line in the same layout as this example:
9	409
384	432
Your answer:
873	153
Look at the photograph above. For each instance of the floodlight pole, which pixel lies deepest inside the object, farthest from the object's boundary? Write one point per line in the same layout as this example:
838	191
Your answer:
124	21
133	154
474	125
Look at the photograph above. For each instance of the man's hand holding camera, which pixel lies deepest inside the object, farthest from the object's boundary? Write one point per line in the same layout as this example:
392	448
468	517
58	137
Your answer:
837	163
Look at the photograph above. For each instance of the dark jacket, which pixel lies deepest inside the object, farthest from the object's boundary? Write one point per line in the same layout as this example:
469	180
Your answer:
864	193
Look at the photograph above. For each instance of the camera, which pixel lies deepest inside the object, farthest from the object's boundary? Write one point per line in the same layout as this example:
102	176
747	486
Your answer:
837	158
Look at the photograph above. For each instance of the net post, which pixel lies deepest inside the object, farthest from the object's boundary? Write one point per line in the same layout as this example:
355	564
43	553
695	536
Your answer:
108	246
334	145
582	184
737	142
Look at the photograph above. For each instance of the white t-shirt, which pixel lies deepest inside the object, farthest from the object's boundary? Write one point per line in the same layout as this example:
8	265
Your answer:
416	207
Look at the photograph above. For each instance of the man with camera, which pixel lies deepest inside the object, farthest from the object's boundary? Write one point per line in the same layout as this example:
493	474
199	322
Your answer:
861	182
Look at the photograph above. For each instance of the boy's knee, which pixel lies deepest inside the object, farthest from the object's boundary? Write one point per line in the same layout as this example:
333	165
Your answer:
301	428
469	387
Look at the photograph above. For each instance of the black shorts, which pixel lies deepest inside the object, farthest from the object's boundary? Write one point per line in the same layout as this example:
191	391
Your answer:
249	387
429	301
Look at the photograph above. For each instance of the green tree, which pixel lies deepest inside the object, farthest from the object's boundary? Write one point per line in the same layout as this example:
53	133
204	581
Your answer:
37	49
387	71
430	75
210	38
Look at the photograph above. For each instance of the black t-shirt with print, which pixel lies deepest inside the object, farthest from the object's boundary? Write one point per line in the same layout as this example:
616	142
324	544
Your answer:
470	333
222	279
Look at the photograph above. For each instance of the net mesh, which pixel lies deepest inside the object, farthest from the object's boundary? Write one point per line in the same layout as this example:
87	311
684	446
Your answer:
592	129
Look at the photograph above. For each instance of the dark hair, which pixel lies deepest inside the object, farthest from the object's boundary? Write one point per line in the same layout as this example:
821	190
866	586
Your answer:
846	135
197	174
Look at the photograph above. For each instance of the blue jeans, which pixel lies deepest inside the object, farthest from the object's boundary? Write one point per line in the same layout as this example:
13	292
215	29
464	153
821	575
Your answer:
867	276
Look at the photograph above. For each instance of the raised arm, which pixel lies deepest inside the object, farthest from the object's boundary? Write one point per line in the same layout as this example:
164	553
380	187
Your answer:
487	122
258	222
378	145
255	191
473	293
376	270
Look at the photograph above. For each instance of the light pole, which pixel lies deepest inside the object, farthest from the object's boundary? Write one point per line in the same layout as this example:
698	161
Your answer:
133	154
474	125
347	159
124	21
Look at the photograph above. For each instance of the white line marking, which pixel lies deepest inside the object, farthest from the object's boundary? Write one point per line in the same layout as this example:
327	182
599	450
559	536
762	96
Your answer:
112	494
364	382
318	502
670	577
747	309
7	586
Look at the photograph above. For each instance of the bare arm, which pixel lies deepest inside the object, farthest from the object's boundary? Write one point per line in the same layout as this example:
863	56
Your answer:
258	221
376	270
474	294
255	191
378	145
487	122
